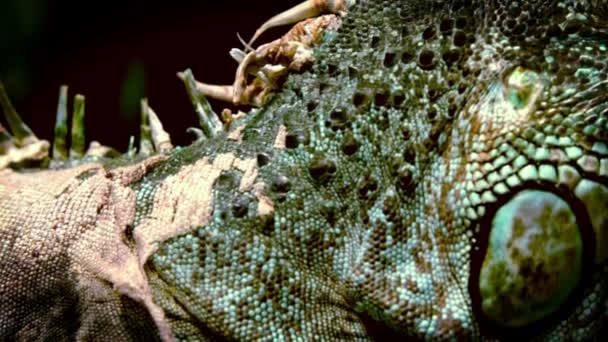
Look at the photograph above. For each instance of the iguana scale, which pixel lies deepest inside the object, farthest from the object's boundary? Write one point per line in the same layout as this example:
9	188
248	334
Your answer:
436	170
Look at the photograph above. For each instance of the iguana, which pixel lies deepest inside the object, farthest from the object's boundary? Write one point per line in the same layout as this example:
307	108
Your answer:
435	170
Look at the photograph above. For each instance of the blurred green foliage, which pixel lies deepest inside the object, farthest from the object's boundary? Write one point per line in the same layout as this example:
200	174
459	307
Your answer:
133	90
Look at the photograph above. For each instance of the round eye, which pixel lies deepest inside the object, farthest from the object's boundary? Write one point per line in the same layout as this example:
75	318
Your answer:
534	259
522	88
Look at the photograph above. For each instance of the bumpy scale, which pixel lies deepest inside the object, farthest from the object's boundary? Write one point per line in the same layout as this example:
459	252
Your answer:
439	170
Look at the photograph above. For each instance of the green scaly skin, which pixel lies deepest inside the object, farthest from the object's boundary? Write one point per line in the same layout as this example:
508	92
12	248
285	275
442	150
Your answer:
376	194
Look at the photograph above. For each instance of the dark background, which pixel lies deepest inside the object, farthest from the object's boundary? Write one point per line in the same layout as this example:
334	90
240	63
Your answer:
115	52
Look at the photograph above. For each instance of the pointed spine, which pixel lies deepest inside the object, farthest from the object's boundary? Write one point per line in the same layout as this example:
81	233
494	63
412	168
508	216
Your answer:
237	54
6	144
78	134
60	150
304	10
22	133
146	146
218	92
240	79
131	150
208	120
160	137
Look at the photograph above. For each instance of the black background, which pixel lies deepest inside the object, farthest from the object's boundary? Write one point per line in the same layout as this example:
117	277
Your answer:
102	48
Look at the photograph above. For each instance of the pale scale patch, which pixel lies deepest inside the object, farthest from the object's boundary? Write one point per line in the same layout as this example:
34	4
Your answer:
184	201
89	216
237	134
279	141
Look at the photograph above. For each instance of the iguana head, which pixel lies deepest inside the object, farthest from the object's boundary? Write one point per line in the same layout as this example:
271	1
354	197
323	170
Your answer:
488	126
505	110
437	170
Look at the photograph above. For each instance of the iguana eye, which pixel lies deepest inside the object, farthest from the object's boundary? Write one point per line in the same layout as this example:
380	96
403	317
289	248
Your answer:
534	259
522	87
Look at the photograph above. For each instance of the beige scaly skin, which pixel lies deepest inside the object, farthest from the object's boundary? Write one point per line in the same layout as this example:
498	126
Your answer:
440	171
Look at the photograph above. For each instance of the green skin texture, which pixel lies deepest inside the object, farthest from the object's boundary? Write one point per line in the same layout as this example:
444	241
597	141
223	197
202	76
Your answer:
379	216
